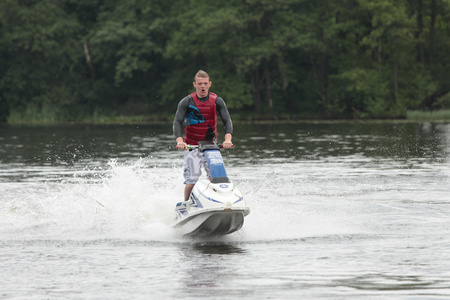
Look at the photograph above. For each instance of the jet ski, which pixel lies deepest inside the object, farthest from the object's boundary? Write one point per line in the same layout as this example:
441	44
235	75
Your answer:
215	207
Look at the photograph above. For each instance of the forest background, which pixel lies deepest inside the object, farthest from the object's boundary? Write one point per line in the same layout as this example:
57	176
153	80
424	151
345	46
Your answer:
133	60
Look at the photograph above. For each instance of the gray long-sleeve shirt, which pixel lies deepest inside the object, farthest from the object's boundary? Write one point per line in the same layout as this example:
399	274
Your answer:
184	109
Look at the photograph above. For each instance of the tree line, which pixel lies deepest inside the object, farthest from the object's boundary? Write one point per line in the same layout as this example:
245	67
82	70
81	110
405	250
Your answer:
72	59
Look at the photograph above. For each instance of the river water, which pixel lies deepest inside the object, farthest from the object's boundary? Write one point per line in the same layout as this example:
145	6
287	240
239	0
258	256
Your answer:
338	211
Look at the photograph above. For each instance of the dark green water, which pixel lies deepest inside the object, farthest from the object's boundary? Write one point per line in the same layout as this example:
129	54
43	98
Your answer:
55	145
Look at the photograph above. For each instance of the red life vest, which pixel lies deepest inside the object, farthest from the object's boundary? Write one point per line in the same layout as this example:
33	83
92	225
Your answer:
201	121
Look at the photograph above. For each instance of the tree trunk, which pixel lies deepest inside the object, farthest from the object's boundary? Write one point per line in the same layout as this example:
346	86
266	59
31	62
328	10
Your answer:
89	62
318	91
268	85
254	78
324	70
420	44
285	84
394	38
432	27
396	77
428	101
379	49
322	75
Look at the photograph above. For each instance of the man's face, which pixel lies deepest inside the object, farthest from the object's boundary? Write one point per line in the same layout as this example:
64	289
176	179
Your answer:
202	86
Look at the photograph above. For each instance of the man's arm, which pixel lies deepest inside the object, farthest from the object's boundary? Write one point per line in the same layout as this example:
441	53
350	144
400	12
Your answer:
227	123
178	120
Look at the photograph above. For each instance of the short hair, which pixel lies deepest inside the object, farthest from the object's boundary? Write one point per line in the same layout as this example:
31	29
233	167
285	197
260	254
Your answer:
201	74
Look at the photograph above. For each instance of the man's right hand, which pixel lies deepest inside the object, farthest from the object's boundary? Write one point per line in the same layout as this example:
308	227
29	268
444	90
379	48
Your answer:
182	146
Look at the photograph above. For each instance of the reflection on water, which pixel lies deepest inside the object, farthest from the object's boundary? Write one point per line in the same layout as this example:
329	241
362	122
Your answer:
69	145
384	140
210	264
217	248
382	282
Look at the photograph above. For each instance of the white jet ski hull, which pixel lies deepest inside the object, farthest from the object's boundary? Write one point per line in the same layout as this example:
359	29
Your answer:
212	210
213	223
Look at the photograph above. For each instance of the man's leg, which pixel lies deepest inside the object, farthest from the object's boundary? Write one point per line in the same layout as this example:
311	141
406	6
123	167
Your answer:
192	170
187	191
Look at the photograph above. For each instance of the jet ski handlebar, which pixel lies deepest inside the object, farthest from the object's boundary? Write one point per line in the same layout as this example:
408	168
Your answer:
205	145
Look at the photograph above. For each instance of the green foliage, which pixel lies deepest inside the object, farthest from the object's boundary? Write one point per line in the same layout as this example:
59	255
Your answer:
438	115
39	41
443	102
34	114
124	38
75	60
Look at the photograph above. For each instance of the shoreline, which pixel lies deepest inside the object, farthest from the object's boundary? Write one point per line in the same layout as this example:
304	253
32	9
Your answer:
441	116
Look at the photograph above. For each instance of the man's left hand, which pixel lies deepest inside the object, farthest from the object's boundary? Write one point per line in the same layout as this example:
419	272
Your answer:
227	144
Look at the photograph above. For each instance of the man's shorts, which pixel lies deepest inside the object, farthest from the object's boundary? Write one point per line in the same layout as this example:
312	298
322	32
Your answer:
193	161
